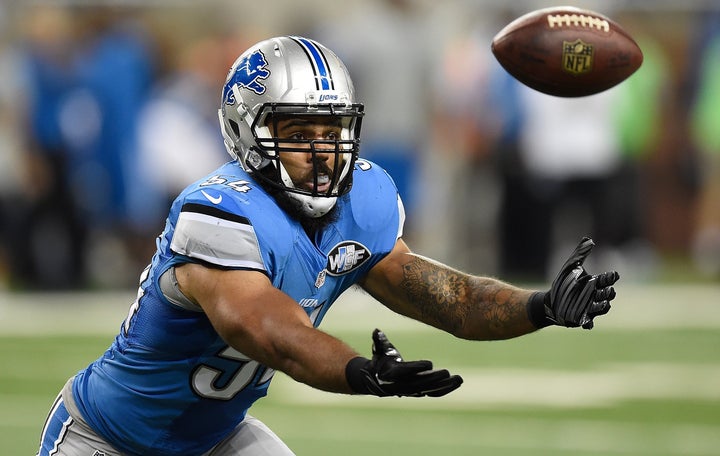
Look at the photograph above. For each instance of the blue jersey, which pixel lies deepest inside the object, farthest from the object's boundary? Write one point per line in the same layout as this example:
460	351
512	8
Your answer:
169	385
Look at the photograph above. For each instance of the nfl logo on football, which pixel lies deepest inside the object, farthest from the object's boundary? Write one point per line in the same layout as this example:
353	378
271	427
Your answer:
577	57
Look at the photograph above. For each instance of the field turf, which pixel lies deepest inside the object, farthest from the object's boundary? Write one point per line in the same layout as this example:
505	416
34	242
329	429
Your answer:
645	381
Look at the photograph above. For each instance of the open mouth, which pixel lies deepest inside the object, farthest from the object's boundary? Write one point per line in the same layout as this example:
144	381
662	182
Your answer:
323	184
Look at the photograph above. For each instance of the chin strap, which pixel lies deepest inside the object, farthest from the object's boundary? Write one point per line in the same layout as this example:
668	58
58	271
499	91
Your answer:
314	206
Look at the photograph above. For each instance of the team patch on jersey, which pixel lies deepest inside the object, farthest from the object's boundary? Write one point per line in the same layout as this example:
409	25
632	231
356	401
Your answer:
345	257
216	236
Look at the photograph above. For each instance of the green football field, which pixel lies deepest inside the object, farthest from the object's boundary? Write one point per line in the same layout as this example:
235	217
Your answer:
645	381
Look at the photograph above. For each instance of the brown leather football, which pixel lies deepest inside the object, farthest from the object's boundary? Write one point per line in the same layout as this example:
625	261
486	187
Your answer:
567	51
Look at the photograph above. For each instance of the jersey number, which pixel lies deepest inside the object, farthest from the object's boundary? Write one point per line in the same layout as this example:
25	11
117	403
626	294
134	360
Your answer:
362	165
241	186
210	382
207	381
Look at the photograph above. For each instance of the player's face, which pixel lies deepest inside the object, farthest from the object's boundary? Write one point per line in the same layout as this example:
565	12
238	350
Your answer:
301	166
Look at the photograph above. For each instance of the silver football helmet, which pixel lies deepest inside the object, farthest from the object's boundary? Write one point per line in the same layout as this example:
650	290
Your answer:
285	77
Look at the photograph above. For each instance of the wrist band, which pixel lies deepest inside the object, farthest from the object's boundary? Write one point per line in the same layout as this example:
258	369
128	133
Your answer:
536	309
356	372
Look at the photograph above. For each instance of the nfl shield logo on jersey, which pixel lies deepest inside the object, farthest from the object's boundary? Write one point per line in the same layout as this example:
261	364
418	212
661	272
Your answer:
98	453
320	281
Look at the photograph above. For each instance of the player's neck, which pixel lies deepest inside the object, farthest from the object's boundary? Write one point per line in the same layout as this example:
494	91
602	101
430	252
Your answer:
313	226
293	208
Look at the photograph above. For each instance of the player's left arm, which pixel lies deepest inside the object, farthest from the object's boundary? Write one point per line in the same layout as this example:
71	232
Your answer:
484	308
464	305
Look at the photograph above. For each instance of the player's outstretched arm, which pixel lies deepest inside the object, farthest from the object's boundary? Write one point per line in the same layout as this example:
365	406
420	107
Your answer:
485	308
266	325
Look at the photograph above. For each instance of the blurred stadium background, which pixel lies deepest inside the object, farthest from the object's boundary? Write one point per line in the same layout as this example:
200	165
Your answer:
107	109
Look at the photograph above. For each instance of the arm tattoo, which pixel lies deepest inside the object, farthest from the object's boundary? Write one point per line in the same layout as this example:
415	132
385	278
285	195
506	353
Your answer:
452	300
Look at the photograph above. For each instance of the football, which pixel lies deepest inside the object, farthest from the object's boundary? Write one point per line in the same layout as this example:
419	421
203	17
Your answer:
567	51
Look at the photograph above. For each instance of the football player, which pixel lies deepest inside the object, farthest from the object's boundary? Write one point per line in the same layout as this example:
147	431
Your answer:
254	255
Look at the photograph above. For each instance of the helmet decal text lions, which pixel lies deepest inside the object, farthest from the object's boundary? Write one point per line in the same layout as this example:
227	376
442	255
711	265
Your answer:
248	74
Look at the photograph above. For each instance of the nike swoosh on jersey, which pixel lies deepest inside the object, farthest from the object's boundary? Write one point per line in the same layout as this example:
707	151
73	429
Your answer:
214	200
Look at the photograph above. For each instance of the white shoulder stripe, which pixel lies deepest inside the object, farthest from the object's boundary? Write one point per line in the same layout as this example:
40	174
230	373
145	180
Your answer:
217	241
212	220
401	222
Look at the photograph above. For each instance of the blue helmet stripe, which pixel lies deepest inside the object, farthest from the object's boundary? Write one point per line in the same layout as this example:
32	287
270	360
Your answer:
320	66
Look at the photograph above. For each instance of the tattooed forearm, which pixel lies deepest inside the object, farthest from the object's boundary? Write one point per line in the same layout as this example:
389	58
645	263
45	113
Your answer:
472	307
436	291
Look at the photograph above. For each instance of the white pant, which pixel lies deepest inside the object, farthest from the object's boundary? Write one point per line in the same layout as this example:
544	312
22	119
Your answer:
65	433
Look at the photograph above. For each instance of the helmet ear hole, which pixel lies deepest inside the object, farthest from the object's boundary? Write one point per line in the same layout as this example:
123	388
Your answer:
235	127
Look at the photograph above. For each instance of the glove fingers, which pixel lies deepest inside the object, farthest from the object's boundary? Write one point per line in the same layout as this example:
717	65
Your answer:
394	371
607	278
563	295
577	311
605	294
600	306
446	386
597	309
429	381
594	303
572	300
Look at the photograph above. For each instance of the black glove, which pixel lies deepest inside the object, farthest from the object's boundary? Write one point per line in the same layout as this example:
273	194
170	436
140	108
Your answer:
387	374
575	297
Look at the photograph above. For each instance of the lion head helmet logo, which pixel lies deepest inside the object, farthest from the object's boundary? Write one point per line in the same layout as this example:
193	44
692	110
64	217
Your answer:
247	74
